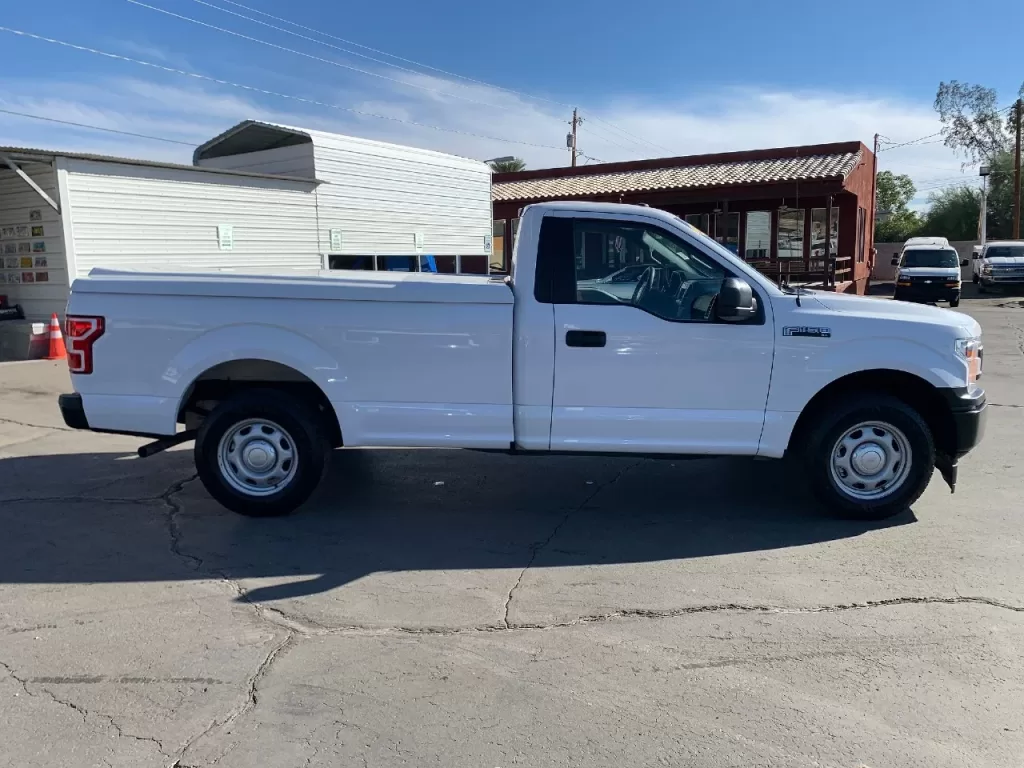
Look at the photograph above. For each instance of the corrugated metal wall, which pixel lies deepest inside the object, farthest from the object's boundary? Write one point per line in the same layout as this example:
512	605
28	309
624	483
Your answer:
138	217
380	195
285	161
33	272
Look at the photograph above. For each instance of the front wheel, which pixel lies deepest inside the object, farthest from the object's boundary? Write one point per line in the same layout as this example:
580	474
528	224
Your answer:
974	279
261	453
870	458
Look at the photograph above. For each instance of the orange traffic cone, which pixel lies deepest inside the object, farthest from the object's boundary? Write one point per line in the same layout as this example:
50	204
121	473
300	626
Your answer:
56	349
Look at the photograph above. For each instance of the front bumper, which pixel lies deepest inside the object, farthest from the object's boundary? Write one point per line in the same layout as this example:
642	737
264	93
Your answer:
926	292
73	411
969	410
994	278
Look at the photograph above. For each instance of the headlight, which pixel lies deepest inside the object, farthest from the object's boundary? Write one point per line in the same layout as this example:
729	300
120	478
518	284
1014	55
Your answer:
970	351
985	269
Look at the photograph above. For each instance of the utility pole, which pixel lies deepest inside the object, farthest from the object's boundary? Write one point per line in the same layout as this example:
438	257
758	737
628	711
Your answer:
570	140
1016	173
983	224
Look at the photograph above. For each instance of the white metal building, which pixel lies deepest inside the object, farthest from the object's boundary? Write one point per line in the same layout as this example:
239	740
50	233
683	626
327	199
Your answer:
260	197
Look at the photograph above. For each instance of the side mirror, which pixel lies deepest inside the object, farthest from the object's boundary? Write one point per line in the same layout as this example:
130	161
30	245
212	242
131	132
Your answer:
963	262
895	261
736	301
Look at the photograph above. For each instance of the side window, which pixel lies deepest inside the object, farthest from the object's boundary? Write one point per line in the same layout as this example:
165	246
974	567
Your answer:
645	267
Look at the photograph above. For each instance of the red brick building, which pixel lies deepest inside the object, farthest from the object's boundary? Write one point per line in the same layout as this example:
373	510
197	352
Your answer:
799	214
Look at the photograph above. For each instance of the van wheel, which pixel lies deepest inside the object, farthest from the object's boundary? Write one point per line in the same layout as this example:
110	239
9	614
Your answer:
974	279
871	458
261	453
954	302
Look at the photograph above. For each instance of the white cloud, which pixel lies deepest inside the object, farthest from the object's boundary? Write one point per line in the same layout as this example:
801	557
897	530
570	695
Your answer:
479	116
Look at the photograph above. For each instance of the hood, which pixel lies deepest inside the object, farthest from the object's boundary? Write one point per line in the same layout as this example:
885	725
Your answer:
1005	260
930	271
887	309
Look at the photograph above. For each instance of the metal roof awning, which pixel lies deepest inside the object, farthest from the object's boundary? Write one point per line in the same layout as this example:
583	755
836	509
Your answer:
250	136
34	155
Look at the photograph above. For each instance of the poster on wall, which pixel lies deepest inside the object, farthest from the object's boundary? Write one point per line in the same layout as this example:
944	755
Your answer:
28	277
11	262
26	262
35	215
14	277
6	233
37	231
42	277
38	246
40	261
10	248
22	230
24	247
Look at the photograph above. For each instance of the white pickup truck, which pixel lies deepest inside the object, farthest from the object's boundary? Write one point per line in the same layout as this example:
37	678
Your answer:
702	355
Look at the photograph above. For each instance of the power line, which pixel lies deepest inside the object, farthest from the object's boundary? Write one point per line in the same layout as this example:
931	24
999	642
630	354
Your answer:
420	64
266	92
315	58
97	128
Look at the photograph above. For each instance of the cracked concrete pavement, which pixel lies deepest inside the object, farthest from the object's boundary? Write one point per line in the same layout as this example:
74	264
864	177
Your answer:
528	611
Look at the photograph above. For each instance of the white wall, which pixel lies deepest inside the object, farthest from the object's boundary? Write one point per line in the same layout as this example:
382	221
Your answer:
47	293
379	195
139	217
284	161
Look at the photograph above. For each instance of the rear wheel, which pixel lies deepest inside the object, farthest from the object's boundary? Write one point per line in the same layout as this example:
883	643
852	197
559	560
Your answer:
261	453
954	302
871	458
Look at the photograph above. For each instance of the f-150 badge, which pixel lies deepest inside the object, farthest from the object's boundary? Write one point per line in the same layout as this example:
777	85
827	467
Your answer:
803	330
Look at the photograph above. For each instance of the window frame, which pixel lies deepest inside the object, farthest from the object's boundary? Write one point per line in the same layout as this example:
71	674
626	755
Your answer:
555	279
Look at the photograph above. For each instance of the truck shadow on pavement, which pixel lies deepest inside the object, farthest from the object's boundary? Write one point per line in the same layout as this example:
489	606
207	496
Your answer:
106	518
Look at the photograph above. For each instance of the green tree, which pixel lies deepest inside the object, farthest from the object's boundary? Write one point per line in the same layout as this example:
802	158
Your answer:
896	221
973	124
508	166
953	213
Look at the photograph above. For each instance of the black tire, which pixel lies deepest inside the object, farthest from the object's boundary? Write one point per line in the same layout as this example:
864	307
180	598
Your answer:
310	446
834	421
974	279
982	288
954	302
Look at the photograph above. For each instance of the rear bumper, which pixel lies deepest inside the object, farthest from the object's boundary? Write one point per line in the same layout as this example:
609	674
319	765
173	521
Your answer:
73	411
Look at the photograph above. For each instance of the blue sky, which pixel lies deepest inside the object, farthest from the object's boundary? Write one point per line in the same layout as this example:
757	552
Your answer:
650	78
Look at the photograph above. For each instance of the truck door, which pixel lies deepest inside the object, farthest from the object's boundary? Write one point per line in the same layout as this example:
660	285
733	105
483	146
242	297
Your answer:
641	363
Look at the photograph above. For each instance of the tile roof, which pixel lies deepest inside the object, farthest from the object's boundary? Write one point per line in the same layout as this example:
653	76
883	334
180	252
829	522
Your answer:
810	168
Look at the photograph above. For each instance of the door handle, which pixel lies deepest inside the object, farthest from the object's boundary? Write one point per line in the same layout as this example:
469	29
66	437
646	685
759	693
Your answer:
585	338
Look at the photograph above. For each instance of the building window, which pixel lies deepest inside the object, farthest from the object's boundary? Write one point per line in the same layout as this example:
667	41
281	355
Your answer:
819	225
791	234
473	265
759	236
861	234
835	231
700	221
398	263
498	246
350	262
732	232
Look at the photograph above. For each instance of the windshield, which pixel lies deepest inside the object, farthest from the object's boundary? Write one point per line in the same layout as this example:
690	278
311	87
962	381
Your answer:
929	258
1004	251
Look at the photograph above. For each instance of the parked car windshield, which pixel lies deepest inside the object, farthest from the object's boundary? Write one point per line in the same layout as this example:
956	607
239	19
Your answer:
1004	251
930	258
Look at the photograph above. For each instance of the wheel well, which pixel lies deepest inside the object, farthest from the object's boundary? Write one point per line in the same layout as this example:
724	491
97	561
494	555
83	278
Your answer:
912	390
227	379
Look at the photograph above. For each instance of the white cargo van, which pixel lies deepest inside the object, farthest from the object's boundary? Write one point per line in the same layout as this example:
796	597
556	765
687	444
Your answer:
928	272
